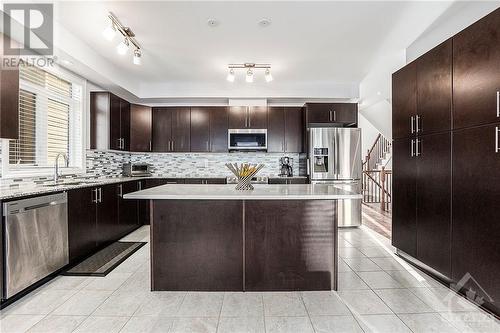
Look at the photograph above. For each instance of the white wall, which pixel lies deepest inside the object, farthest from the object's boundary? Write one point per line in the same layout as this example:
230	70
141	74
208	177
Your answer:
459	16
368	134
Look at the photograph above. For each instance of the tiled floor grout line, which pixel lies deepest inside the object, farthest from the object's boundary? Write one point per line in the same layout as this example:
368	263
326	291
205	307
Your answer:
307	311
220	312
263	311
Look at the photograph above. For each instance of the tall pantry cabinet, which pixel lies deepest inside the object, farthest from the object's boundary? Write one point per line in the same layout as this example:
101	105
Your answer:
446	189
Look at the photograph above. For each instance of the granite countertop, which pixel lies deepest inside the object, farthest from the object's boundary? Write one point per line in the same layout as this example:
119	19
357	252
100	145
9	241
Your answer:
228	192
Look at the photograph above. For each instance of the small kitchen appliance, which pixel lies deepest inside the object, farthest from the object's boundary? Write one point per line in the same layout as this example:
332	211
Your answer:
286	169
136	170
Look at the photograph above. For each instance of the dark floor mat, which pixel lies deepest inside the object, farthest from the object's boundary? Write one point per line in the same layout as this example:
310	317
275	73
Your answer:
104	261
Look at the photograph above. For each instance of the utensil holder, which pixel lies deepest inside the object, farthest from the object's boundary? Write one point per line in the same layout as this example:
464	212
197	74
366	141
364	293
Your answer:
244	182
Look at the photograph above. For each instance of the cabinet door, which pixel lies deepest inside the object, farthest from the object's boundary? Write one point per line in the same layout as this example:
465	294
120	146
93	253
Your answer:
294	130
114	122
162	129
218	129
298	181
200	129
404	101
475	207
125	124
276	129
140	128
318	113
434	201
277	181
81	223
99	120
238	117
194	181
476	73
434	89
257	117
346	113
127	208
181	123
220	181
9	96
108	228
404	197
142	205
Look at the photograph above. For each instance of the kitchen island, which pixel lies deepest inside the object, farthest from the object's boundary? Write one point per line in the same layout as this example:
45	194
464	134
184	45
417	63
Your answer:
215	238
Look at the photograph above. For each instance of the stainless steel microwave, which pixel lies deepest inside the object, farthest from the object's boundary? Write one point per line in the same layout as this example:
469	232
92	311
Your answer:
247	139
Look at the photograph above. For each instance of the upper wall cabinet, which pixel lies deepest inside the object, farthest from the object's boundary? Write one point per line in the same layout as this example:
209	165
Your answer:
434	90
344	114
140	128
476	73
209	129
9	98
171	129
109	122
285	130
248	117
404	101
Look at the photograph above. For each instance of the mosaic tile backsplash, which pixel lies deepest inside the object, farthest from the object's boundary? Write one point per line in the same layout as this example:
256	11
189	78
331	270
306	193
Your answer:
185	164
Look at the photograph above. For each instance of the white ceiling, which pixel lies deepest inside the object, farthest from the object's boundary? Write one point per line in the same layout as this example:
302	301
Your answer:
316	49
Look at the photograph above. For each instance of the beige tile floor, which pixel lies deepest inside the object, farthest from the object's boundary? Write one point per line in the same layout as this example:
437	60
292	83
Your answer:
377	293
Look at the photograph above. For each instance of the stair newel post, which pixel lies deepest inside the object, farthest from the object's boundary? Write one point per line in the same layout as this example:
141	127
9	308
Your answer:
382	181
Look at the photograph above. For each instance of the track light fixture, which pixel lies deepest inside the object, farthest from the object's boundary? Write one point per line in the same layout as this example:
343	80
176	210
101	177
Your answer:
128	38
249	69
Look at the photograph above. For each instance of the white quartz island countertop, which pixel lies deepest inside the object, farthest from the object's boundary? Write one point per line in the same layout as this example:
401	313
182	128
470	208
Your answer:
228	192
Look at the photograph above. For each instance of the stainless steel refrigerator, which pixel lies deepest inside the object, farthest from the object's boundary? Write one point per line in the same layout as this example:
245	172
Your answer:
335	158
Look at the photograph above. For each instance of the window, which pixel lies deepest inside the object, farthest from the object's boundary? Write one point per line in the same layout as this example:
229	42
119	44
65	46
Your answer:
50	122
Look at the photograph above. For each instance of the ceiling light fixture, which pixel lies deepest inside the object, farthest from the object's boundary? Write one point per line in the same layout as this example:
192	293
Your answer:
128	38
249	76
137	57
268	75
230	75
249	69
122	48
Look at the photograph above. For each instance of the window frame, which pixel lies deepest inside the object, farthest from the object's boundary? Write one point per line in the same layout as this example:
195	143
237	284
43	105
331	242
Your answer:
41	171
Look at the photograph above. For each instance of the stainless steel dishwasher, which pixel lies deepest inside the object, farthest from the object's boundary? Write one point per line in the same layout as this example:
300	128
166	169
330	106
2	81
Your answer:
36	240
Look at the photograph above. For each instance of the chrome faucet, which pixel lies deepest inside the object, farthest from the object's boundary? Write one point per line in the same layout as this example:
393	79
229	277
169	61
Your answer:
56	165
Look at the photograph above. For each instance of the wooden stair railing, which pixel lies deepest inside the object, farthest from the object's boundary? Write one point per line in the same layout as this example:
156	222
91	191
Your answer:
377	183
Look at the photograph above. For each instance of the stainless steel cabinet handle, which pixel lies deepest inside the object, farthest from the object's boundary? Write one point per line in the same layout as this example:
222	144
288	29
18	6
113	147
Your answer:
208	146
498	103
139	186
497	144
417	119
150	145
100	194
411	148
417	147
334	115
120	191
94	195
173	145
330	115
412	124
307	167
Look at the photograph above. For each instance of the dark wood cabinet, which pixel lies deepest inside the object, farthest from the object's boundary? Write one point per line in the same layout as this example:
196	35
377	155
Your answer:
294	130
344	114
161	130
276	129
140	128
142	205
127	208
404	196
152	182
285	130
404	101
248	117
107	222
476	73
205	181
279	252
434	89
434	201
181	123
109	122
218	129
288	181
200	129
476	231
9	97
82	232
171	129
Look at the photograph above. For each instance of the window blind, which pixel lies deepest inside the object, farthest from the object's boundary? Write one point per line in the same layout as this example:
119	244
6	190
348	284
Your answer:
50	121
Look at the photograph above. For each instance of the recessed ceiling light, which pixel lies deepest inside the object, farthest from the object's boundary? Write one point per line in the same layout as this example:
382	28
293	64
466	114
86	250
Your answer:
212	23
265	22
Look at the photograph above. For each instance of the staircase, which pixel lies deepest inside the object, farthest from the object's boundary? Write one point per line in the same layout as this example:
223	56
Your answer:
377	174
